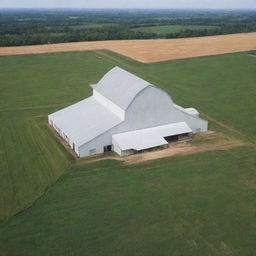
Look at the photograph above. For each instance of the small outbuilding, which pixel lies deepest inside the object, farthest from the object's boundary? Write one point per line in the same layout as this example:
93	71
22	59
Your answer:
126	114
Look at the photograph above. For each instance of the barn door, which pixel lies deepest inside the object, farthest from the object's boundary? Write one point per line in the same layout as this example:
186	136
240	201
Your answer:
107	148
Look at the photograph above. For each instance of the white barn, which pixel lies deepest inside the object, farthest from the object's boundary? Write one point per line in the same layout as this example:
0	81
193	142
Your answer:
126	114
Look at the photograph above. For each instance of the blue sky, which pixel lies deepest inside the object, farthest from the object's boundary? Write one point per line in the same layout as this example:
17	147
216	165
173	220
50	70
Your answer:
128	4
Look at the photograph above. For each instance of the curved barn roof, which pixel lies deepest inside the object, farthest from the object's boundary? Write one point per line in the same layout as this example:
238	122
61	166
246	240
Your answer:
120	86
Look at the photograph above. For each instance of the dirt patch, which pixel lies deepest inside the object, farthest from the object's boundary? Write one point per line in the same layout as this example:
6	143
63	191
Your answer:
192	243
149	51
209	141
184	149
225	248
250	183
98	158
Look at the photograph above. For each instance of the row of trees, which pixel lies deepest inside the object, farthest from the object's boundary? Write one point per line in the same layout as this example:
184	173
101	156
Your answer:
43	28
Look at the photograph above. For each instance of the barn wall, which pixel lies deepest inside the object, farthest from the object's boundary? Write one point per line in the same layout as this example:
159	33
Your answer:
116	148
63	135
98	144
195	123
151	107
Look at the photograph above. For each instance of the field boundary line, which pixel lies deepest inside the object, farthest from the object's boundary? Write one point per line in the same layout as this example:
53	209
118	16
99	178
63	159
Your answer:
150	50
227	127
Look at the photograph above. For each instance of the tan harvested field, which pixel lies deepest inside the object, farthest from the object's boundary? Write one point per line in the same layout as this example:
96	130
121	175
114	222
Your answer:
149	51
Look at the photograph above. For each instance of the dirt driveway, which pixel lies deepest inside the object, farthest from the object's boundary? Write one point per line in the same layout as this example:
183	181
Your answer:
202	142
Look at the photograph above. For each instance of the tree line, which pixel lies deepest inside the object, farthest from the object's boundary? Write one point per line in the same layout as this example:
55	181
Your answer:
44	27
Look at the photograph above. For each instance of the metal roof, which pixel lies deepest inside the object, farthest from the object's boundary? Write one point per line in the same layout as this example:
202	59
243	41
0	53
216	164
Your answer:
120	86
85	120
150	137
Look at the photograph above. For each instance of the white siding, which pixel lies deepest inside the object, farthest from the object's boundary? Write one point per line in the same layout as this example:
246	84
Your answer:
151	107
109	105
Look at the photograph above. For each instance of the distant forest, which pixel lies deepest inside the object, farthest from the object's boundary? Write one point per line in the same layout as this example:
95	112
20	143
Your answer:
30	27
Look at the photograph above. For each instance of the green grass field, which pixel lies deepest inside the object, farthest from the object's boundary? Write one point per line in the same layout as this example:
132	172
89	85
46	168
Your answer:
31	160
194	205
162	30
92	25
187	205
34	86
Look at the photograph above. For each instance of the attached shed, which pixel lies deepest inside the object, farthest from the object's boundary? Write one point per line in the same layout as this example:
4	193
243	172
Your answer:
136	141
124	107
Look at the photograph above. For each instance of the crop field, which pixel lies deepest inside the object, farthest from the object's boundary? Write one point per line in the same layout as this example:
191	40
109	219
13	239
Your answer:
172	28
149	51
184	205
91	25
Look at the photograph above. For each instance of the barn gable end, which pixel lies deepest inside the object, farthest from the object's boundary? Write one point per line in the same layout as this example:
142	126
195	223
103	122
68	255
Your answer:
122	103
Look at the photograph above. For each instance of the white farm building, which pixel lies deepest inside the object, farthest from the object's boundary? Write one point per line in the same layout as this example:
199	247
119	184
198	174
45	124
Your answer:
125	114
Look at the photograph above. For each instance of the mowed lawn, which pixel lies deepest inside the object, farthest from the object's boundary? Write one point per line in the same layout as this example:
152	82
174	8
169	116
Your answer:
31	158
195	205
201	204
162	30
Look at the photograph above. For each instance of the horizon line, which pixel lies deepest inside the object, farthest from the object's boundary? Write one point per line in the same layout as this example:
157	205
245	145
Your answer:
131	8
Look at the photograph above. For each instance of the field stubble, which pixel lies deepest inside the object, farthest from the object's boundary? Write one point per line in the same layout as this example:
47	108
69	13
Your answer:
149	51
